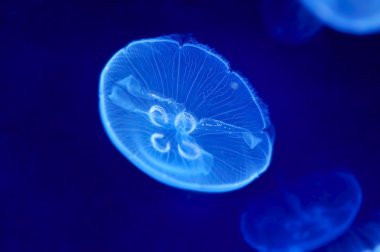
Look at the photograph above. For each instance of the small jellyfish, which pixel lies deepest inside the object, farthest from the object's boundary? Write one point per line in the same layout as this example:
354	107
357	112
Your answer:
304	217
288	21
177	112
350	16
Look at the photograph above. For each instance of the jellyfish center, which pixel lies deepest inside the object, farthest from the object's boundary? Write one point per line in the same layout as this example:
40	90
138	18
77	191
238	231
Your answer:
182	126
189	150
171	128
184	123
159	143
158	116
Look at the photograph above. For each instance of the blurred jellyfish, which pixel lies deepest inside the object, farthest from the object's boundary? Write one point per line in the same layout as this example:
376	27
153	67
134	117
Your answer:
362	237
304	217
375	249
350	16
176	110
370	234
288	21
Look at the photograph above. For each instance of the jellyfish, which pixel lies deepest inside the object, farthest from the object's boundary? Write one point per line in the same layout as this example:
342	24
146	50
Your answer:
350	16
370	233
309	214
375	249
288	21
363	236
176	110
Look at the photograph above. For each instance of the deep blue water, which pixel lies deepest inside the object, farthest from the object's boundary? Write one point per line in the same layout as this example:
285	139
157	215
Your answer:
63	185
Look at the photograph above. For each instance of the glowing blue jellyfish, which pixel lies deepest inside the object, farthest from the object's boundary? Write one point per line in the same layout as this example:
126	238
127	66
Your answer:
370	234
375	249
310	214
350	16
179	113
288	21
361	237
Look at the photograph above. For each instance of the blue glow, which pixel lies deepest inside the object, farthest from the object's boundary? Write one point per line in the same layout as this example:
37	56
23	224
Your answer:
350	16
288	21
375	249
370	234
179	113
313	212
362	237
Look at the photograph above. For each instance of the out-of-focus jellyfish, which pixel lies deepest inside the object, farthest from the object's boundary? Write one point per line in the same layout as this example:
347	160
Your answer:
307	215
288	21
361	237
350	16
370	234
176	110
375	249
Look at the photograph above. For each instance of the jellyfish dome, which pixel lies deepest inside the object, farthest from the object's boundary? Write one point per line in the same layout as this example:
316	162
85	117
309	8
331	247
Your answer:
308	215
350	16
178	112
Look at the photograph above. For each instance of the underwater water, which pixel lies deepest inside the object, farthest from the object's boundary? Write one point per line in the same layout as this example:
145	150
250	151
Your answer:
289	21
67	185
303	216
177	111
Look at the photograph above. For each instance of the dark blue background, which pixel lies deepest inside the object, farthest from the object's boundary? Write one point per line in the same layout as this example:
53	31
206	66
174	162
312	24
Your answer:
65	187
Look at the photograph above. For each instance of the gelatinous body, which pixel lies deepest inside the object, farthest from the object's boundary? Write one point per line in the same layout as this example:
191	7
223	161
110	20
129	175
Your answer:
363	236
350	16
375	249
310	214
182	116
369	233
288	21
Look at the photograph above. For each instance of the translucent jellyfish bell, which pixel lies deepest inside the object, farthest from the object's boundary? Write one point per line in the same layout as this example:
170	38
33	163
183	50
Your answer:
350	16
310	214
177	111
